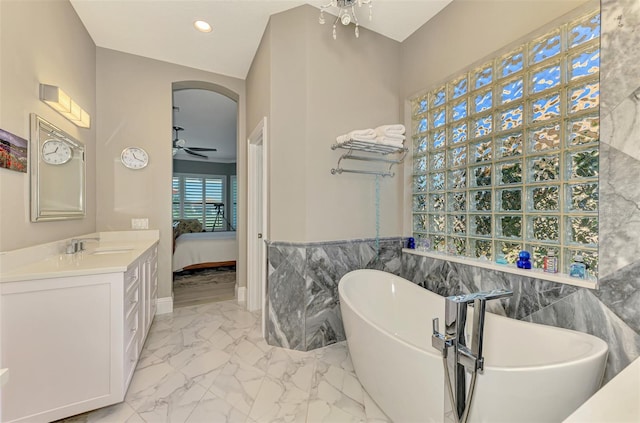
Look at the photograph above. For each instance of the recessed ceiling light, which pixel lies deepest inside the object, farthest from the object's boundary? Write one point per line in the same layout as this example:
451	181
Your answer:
202	26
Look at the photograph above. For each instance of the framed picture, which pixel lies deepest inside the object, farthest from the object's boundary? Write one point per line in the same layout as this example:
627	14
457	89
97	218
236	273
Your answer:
13	152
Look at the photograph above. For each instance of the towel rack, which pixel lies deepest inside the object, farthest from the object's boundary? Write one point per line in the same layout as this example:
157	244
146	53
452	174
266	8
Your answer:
368	147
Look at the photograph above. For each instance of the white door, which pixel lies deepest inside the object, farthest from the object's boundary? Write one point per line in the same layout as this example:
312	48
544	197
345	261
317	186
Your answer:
257	220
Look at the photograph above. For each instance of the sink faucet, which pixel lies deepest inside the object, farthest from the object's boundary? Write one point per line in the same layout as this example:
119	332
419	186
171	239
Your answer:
463	357
77	244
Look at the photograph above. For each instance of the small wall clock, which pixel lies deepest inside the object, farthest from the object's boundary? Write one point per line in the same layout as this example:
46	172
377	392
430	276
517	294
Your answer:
56	152
134	158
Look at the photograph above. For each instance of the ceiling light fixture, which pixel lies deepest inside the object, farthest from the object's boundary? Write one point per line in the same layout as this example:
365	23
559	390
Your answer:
63	104
346	13
202	26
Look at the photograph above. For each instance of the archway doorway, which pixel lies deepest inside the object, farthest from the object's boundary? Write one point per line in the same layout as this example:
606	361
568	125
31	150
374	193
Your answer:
204	193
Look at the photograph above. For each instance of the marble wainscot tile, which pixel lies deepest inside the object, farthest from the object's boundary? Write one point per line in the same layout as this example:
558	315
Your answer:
448	278
583	312
620	128
304	278
433	274
326	265
619	224
286	291
620	46
620	292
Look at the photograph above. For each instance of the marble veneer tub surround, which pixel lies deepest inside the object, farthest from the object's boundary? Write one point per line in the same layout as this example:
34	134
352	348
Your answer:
302	287
303	278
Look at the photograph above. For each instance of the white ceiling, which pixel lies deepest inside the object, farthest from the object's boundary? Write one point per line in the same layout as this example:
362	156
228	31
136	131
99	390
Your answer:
163	30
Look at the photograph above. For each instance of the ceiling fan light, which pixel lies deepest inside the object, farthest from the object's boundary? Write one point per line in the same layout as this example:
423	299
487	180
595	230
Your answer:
202	26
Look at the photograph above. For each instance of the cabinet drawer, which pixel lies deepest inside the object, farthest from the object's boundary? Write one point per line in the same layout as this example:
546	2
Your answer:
129	364
131	329
131	300
131	276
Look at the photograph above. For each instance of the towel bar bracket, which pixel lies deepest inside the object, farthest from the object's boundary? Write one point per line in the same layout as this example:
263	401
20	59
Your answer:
368	147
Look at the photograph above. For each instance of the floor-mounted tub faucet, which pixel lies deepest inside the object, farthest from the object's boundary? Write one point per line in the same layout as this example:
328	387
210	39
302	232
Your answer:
462	356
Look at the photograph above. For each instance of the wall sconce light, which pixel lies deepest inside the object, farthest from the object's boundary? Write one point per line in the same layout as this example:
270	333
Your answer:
63	104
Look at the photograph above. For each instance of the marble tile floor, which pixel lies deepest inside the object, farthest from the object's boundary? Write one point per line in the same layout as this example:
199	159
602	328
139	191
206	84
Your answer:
209	363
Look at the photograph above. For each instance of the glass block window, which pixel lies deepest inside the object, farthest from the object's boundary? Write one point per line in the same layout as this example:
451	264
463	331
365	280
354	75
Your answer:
505	154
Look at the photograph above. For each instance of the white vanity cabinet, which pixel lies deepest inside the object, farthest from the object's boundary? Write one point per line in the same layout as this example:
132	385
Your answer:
72	342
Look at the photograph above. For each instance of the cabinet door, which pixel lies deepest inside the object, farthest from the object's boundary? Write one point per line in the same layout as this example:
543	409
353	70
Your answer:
57	340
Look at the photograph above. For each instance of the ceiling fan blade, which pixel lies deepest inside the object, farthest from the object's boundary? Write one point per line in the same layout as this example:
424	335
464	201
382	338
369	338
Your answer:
194	153
203	149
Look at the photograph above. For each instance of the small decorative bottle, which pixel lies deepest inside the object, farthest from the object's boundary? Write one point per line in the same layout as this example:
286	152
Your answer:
524	260
411	243
578	269
551	262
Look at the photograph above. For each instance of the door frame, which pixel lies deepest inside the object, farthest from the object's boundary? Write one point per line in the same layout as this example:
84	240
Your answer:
257	214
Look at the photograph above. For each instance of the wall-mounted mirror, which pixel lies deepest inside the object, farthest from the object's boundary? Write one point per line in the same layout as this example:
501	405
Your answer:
57	173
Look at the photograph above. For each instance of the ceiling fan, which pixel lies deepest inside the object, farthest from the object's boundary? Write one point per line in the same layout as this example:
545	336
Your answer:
179	144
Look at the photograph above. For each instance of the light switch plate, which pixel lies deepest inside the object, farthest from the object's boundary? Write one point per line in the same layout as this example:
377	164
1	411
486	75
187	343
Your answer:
140	223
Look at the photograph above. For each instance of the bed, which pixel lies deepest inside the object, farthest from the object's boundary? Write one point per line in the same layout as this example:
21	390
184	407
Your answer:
200	250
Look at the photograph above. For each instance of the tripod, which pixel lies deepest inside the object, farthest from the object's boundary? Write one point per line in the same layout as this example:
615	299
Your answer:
220	218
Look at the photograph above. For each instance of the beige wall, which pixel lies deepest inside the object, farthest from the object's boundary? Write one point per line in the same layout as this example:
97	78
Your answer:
320	88
134	102
43	41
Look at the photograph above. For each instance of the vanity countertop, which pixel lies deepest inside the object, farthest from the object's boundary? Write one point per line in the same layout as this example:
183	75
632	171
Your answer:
114	252
618	401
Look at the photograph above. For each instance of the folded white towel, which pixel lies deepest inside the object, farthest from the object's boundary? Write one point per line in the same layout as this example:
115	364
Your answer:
386	130
358	135
347	137
394	142
397	137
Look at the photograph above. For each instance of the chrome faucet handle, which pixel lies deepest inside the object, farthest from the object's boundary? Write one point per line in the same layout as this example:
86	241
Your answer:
440	341
494	294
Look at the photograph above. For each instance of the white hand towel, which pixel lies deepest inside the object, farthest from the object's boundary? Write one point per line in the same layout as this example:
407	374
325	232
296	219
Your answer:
386	130
346	138
394	142
358	135
397	137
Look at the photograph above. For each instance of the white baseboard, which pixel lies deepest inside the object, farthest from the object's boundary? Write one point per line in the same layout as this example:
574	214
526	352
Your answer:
164	305
241	294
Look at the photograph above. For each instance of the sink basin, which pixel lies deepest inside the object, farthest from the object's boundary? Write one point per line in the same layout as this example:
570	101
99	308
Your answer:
105	250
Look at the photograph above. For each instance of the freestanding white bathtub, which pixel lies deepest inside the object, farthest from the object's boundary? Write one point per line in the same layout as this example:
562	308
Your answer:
532	373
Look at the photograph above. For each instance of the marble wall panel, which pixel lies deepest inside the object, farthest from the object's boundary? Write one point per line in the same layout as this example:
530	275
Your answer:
304	310
620	45
285	296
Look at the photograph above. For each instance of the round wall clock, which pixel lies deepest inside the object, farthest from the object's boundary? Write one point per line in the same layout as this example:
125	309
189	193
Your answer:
56	152
134	158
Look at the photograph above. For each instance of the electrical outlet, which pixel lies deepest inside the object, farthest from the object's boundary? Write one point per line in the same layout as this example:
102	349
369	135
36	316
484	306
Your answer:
140	223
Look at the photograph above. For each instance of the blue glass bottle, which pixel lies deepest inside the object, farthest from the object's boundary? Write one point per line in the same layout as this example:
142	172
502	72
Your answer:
524	260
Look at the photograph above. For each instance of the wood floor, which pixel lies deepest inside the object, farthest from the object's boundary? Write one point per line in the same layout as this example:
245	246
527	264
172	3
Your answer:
203	286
